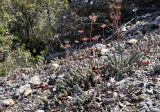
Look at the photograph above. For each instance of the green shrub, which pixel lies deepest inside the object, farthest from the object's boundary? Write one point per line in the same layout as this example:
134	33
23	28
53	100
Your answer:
25	29
35	21
12	59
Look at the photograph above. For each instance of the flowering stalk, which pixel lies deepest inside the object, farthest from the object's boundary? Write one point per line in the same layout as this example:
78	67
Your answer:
90	35
93	19
103	27
116	17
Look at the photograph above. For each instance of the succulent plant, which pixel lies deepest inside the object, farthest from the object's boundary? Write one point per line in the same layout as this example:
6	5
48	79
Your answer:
122	62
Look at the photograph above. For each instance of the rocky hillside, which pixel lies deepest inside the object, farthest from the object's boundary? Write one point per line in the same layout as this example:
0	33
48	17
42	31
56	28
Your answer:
76	18
104	76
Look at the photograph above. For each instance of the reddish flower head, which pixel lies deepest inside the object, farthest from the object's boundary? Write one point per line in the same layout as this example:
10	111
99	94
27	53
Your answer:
80	31
93	18
67	46
95	38
103	26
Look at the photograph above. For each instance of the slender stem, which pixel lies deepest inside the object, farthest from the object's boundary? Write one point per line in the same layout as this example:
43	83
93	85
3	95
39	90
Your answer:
91	33
103	32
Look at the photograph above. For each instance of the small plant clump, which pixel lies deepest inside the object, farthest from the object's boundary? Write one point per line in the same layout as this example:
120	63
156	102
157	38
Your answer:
121	62
98	72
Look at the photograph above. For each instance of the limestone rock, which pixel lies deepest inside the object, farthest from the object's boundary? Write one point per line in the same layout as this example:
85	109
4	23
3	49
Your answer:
35	80
8	102
55	65
40	111
99	46
104	51
25	90
132	41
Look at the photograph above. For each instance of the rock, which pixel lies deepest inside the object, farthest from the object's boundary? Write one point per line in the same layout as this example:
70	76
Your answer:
112	80
121	82
142	106
157	96
124	29
157	20
139	98
22	88
108	84
115	94
8	102
9	83
52	79
25	76
141	85
132	41
62	75
99	47
91	91
105	51
127	103
35	80
149	102
149	91
7	111
28	92
104	57
116	109
40	111
154	109
121	105
113	49
157	69
158	80
25	90
26	109
109	101
155	91
55	65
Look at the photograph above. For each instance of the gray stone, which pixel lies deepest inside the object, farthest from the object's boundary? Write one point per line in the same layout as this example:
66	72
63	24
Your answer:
8	102
121	82
35	80
40	111
132	41
157	20
99	46
157	69
149	91
26	90
154	109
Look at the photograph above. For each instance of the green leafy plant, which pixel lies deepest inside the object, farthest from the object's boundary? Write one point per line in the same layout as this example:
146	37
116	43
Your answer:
11	59
25	29
122	62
